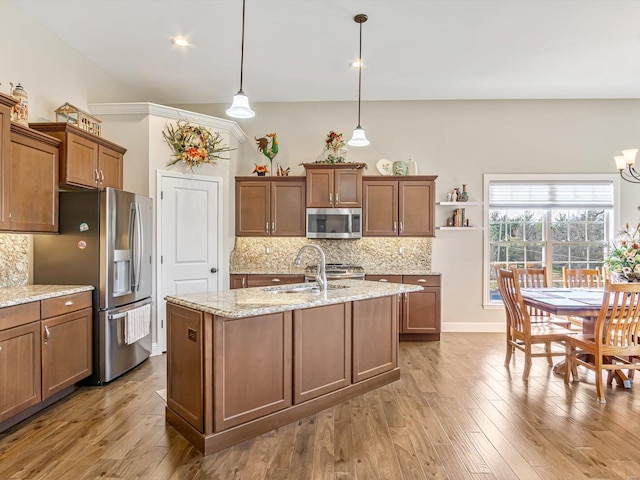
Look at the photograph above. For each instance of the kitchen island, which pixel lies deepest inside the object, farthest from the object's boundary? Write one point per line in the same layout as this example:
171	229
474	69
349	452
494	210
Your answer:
243	362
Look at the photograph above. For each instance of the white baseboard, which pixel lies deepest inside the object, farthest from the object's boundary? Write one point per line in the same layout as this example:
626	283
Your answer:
473	327
155	350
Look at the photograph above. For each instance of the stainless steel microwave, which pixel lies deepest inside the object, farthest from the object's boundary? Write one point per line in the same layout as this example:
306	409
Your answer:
334	222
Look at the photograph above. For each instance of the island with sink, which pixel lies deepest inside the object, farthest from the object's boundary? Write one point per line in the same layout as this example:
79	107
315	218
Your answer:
243	362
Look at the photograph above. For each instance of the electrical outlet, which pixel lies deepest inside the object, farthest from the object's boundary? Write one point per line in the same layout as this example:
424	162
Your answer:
267	250
400	250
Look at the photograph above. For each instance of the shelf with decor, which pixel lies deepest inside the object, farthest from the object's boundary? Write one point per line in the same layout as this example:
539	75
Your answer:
459	210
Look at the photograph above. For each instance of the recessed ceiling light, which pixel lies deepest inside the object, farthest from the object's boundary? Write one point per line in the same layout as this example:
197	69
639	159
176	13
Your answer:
180	41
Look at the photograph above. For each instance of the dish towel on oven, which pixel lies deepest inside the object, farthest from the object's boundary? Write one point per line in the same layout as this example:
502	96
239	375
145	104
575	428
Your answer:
137	324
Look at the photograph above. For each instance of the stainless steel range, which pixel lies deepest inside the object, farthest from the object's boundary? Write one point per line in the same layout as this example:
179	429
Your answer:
335	271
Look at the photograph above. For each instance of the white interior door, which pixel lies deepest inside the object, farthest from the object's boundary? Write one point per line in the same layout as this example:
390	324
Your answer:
190	239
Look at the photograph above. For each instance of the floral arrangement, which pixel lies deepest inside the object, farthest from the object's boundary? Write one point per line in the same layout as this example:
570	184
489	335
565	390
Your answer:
333	145
194	145
260	169
624	254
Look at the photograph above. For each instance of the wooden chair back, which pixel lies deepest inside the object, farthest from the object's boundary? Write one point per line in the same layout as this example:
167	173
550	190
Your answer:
516	311
617	330
581	277
532	277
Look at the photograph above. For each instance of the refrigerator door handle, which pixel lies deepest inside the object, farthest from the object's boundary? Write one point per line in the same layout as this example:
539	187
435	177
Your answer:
138	241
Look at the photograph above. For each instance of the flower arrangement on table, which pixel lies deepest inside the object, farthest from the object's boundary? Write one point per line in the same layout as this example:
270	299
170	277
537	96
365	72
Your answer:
624	255
194	145
334	148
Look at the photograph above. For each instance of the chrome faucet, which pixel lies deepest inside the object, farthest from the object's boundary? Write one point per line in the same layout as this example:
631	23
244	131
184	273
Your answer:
321	275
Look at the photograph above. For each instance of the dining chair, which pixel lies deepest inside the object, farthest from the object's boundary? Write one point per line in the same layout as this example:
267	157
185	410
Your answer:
614	346
537	278
522	332
581	277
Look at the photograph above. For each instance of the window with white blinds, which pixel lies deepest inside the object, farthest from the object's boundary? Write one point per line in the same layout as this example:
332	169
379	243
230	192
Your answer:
554	222
551	195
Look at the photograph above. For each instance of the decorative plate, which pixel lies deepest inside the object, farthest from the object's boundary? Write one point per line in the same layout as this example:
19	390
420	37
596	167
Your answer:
385	167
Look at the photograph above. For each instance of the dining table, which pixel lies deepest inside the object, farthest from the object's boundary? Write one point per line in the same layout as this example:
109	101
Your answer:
576	302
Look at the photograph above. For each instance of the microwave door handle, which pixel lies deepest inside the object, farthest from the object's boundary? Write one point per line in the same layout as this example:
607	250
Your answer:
349	225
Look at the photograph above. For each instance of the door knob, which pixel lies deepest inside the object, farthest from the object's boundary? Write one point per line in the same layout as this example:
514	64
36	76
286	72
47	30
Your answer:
214	270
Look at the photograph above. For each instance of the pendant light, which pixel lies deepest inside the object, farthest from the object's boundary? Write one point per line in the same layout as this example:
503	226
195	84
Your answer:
240	107
359	139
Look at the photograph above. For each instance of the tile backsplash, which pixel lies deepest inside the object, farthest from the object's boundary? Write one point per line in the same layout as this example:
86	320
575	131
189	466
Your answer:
378	255
14	260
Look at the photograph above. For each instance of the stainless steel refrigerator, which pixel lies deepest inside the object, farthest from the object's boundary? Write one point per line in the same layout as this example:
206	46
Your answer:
104	241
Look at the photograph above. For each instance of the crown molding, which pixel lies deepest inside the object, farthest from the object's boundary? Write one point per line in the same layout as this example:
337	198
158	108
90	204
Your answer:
146	108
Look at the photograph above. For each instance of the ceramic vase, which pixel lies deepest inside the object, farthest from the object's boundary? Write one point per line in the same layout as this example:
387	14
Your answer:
463	196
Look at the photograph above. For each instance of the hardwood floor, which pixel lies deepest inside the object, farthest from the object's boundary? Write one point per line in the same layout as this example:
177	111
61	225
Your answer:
456	413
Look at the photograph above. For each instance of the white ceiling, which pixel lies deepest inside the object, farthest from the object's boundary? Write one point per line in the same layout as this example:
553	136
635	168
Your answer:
299	50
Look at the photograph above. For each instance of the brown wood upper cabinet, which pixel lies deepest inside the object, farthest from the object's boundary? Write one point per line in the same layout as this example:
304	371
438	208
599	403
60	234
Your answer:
86	160
338	185
398	207
30	182
6	104
270	206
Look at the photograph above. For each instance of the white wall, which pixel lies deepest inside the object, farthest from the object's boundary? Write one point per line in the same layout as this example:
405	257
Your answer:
49	69
459	141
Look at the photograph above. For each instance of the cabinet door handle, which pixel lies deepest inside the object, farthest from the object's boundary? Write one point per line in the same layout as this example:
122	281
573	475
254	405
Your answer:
395	226
401	228
337	198
68	303
96	175
383	280
422	280
331	199
244	282
266	227
46	334
101	177
273	226
275	280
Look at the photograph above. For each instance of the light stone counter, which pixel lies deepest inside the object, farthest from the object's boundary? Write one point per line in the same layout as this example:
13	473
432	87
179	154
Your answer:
33	293
249	302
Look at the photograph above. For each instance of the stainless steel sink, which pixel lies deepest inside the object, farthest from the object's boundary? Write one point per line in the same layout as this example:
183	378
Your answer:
301	288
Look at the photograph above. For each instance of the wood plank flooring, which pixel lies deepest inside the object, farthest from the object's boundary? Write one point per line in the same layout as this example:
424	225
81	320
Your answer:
456	413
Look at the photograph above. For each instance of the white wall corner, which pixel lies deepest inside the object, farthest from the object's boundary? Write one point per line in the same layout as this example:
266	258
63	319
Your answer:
146	108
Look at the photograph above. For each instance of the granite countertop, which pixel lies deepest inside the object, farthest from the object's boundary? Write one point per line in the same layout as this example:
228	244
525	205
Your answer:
33	293
299	271
249	302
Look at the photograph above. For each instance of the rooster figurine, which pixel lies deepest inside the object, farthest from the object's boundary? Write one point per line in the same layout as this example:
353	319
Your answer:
263	146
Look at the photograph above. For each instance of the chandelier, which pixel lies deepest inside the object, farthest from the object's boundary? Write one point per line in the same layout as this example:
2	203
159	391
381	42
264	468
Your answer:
625	164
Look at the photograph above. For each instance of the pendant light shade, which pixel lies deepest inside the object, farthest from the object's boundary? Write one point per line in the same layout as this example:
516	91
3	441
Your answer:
359	138
240	107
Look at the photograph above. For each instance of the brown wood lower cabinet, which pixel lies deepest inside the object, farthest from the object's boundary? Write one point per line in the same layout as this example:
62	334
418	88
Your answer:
375	344
45	349
66	351
19	369
231	379
322	350
420	312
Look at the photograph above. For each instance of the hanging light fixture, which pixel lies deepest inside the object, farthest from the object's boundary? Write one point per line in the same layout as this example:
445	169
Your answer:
625	164
359	139
240	107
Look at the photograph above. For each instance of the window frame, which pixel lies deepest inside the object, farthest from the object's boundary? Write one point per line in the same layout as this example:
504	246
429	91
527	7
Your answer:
488	178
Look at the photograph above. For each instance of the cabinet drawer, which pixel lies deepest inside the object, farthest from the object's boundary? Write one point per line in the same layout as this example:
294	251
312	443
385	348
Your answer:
17	315
384	278
52	307
266	280
422	280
